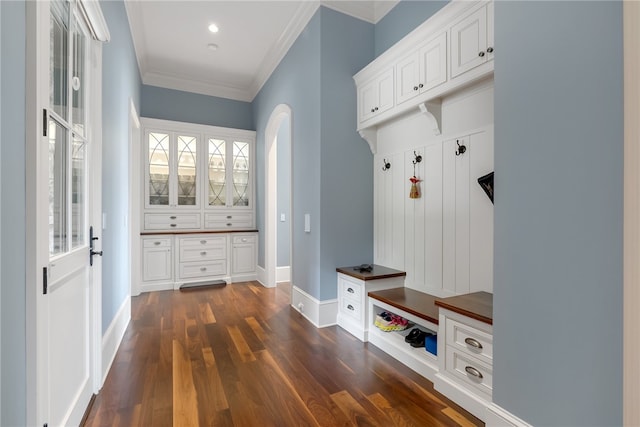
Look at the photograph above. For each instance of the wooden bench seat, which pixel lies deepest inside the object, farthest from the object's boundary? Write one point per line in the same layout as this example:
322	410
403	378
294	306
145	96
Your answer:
411	301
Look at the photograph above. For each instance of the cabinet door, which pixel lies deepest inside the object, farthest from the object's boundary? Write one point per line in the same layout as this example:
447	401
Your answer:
217	172
367	100
407	78
386	99
243	257
186	170
156	263
433	63
158	169
229	182
469	42
241	175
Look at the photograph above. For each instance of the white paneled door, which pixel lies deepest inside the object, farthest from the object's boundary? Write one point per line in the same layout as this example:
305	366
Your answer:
66	204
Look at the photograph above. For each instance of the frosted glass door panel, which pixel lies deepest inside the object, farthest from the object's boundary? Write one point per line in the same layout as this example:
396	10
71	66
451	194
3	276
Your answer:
78	80
187	171
158	169
58	59
78	191
57	188
217	173
241	174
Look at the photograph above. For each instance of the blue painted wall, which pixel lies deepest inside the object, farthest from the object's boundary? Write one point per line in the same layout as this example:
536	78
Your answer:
284	193
12	216
346	189
403	19
120	82
296	82
558	288
169	104
332	176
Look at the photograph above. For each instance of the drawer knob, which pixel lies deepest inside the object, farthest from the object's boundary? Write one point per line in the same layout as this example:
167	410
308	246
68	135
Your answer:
229	216
203	253
173	225
350	307
481	54
473	343
350	290
229	224
204	242
473	371
203	268
156	243
173	217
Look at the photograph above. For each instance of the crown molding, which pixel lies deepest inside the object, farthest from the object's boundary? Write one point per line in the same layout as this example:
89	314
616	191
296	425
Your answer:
291	33
189	85
136	27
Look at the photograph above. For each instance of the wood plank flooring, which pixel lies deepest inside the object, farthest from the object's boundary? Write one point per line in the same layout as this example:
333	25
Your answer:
241	356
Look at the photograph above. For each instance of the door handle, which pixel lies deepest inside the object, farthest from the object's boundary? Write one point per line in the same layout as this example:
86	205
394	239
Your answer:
92	238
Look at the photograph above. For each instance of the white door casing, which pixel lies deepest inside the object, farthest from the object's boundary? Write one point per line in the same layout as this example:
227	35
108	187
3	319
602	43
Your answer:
279	114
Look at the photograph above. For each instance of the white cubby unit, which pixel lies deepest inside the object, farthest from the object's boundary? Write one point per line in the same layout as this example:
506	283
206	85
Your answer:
353	287
198	217
465	347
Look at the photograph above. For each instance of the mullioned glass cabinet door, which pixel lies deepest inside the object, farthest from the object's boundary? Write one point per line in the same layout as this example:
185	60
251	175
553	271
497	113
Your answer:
172	170
229	173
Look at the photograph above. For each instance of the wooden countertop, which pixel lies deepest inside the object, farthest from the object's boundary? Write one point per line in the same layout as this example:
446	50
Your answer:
417	303
378	272
176	232
477	305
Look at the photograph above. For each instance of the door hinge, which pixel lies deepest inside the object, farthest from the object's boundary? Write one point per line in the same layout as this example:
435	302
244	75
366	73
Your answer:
45	119
45	276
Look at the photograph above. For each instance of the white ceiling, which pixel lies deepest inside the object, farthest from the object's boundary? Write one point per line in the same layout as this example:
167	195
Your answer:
171	37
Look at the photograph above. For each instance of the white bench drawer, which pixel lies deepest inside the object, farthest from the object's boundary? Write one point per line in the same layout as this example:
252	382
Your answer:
168	221
470	340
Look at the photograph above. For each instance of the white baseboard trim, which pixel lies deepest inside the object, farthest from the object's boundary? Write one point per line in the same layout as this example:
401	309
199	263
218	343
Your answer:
153	287
283	274
320	313
498	417
113	336
262	276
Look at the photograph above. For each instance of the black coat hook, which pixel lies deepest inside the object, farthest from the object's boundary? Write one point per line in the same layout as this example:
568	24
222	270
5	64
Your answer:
461	148
418	158
386	165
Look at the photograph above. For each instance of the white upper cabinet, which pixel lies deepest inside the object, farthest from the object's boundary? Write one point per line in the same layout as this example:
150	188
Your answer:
171	169
432	62
422	70
376	96
472	41
197	177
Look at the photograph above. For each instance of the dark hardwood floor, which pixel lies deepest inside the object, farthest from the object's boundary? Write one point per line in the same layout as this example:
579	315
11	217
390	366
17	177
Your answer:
241	356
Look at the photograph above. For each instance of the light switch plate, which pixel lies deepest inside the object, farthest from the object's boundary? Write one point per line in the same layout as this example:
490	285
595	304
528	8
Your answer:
282	217
307	223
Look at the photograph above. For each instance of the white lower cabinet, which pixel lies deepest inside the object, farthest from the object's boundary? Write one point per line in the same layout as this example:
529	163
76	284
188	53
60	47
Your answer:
157	259
169	261
465	358
244	252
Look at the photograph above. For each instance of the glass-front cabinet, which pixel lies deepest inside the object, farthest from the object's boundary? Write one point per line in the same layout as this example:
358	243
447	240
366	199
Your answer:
229	180
172	169
197	177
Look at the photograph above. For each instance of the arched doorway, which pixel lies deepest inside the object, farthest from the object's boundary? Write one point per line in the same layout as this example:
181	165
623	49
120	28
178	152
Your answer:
279	127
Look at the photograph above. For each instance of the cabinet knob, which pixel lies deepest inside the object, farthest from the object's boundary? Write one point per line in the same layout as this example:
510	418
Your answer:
229	217
173	225
373	110
415	88
203	268
473	343
480	54
376	108
473	371
350	307
489	49
172	217
420	85
203	253
156	243
350	290
229	224
204	242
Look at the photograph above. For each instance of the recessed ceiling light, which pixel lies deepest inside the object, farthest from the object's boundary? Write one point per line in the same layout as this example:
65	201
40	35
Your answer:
212	46
213	28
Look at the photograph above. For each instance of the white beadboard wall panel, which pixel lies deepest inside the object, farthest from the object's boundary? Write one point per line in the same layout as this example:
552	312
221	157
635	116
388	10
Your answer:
462	227
433	219
469	109
480	214
449	218
414	242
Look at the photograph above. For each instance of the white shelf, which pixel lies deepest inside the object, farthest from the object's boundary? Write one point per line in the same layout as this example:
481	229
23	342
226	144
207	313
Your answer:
392	343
